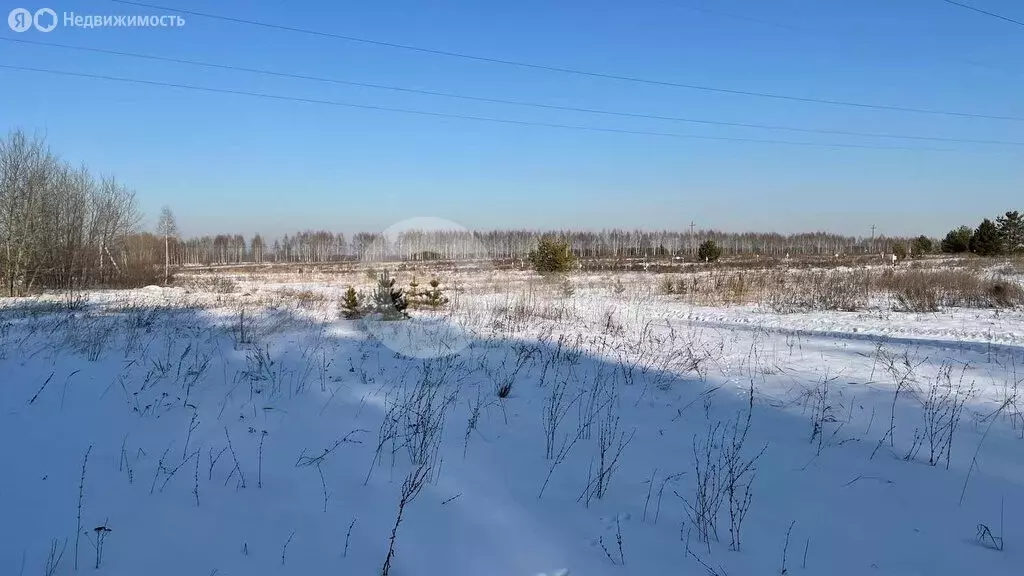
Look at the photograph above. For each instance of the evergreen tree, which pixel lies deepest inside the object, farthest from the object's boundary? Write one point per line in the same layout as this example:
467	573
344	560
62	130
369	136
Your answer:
414	296
552	256
899	250
986	240
708	251
920	246
388	300
351	308
958	240
1011	232
434	297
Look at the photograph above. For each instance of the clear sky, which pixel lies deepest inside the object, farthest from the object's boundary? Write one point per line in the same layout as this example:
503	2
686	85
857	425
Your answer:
236	163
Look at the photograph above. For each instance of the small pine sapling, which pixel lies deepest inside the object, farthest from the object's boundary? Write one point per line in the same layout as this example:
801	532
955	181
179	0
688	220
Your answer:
389	301
351	307
618	288
435	299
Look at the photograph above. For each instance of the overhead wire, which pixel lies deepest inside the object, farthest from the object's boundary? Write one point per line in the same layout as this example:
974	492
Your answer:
985	12
575	71
429	113
503	101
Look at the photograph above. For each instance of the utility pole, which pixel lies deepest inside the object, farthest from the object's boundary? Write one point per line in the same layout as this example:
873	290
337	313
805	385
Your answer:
872	237
691	237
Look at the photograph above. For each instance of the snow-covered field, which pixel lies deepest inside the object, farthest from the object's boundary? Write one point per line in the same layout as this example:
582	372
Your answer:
598	429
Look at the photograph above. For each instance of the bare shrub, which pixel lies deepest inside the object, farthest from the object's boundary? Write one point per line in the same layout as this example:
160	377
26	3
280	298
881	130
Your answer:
941	408
424	413
668	285
89	335
715	287
215	284
823	412
846	291
914	292
782	290
733	288
723	474
242	329
703	508
1005	293
611	442
556	407
516	314
525	310
928	291
903	370
306	299
739	473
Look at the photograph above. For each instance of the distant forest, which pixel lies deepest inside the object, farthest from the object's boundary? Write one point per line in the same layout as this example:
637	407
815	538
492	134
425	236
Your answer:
62	227
324	246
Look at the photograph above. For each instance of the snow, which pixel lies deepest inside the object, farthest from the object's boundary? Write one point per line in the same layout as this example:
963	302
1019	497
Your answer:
153	384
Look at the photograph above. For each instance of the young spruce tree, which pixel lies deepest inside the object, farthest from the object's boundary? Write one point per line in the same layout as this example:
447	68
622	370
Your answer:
708	251
351	307
388	300
434	297
552	256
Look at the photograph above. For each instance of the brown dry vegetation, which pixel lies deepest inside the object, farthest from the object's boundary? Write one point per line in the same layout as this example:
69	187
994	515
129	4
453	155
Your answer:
785	291
923	285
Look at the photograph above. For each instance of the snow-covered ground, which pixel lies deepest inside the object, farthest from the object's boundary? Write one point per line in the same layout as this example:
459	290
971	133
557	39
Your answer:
597	430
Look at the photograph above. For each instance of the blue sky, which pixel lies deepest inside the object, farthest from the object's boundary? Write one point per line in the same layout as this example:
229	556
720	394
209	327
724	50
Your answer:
232	163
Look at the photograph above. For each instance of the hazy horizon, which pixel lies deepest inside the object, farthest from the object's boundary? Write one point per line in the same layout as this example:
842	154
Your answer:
315	119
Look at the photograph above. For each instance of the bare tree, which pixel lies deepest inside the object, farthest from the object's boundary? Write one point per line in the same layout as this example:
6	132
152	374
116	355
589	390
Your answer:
167	227
60	227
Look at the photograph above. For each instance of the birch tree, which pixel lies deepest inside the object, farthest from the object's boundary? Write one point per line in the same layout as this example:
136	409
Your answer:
167	227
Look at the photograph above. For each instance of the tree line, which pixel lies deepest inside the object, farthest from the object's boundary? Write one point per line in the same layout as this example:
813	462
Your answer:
63	227
324	246
1004	236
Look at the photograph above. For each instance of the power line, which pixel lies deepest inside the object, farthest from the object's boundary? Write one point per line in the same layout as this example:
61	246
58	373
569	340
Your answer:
512	102
463	116
889	47
980	11
574	71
